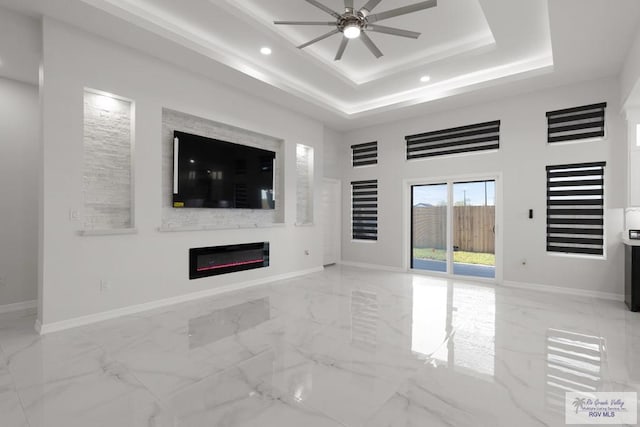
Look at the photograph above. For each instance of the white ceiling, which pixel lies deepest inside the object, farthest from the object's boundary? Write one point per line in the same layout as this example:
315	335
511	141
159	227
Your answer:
467	30
469	48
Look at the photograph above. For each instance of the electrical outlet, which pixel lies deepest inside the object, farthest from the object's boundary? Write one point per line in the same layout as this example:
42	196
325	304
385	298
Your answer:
74	215
105	286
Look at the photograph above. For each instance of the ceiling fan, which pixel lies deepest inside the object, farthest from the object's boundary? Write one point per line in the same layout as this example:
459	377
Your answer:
356	23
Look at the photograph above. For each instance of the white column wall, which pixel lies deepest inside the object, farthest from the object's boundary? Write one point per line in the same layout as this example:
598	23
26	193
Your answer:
19	146
150	265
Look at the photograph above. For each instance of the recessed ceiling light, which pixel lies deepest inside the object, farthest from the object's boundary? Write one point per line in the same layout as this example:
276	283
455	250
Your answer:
425	79
265	51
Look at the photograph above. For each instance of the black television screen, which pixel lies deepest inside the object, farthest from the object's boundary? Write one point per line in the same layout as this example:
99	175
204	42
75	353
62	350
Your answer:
209	173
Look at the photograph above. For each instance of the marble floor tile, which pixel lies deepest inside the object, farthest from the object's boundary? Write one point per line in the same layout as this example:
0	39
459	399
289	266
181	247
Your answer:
244	396
97	401
342	347
63	379
17	331
11	411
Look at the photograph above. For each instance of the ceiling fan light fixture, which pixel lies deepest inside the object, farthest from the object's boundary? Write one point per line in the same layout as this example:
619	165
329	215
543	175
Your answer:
351	31
357	23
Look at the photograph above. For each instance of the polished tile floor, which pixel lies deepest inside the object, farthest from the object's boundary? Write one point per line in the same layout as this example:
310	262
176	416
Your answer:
344	347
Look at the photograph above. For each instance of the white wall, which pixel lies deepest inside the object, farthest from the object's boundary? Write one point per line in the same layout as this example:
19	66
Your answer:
630	74
150	265
521	160
630	98
19	144
20	46
334	153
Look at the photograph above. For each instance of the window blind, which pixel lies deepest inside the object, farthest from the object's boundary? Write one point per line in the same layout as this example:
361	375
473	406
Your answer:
576	123
364	215
365	154
575	208
464	139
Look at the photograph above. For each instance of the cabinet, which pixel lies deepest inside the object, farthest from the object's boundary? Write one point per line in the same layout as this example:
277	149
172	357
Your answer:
632	276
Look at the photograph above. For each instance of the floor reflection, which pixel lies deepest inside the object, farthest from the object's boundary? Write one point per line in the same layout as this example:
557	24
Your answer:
455	325
431	313
345	347
364	317
574	363
228	321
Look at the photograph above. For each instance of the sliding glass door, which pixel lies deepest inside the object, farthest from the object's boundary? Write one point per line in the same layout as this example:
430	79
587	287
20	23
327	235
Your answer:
429	212
453	227
474	221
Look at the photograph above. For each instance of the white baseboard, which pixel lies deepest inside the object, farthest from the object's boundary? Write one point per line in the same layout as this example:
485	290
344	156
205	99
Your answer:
133	309
373	266
562	290
8	308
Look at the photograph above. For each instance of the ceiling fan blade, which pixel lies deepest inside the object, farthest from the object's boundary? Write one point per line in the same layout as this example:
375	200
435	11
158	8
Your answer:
370	44
343	46
393	31
370	5
348	4
402	10
317	39
324	8
303	23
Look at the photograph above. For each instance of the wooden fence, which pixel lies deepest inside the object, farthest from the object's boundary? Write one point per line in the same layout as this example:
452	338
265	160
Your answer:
473	228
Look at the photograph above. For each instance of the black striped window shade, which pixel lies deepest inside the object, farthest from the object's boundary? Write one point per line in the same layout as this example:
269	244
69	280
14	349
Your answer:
464	139
575	208
576	123
365	154
364	215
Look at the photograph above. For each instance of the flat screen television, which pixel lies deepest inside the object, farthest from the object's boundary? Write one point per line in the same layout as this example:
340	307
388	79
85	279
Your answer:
209	173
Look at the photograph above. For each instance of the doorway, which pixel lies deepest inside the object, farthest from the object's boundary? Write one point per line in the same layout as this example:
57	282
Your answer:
453	227
330	215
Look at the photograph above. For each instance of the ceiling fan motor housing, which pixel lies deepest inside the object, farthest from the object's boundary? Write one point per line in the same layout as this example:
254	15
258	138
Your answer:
354	23
351	19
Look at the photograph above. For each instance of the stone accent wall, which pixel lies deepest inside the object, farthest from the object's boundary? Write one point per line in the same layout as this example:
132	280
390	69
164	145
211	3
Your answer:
107	175
304	184
217	218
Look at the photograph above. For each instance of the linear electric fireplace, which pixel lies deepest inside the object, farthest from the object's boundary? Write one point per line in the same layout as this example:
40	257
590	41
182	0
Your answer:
216	260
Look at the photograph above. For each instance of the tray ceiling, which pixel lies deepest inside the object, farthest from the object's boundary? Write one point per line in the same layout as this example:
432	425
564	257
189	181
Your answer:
464	43
470	49
467	29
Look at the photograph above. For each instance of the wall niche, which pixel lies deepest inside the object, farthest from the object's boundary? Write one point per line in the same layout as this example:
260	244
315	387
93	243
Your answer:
304	184
107	179
184	219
